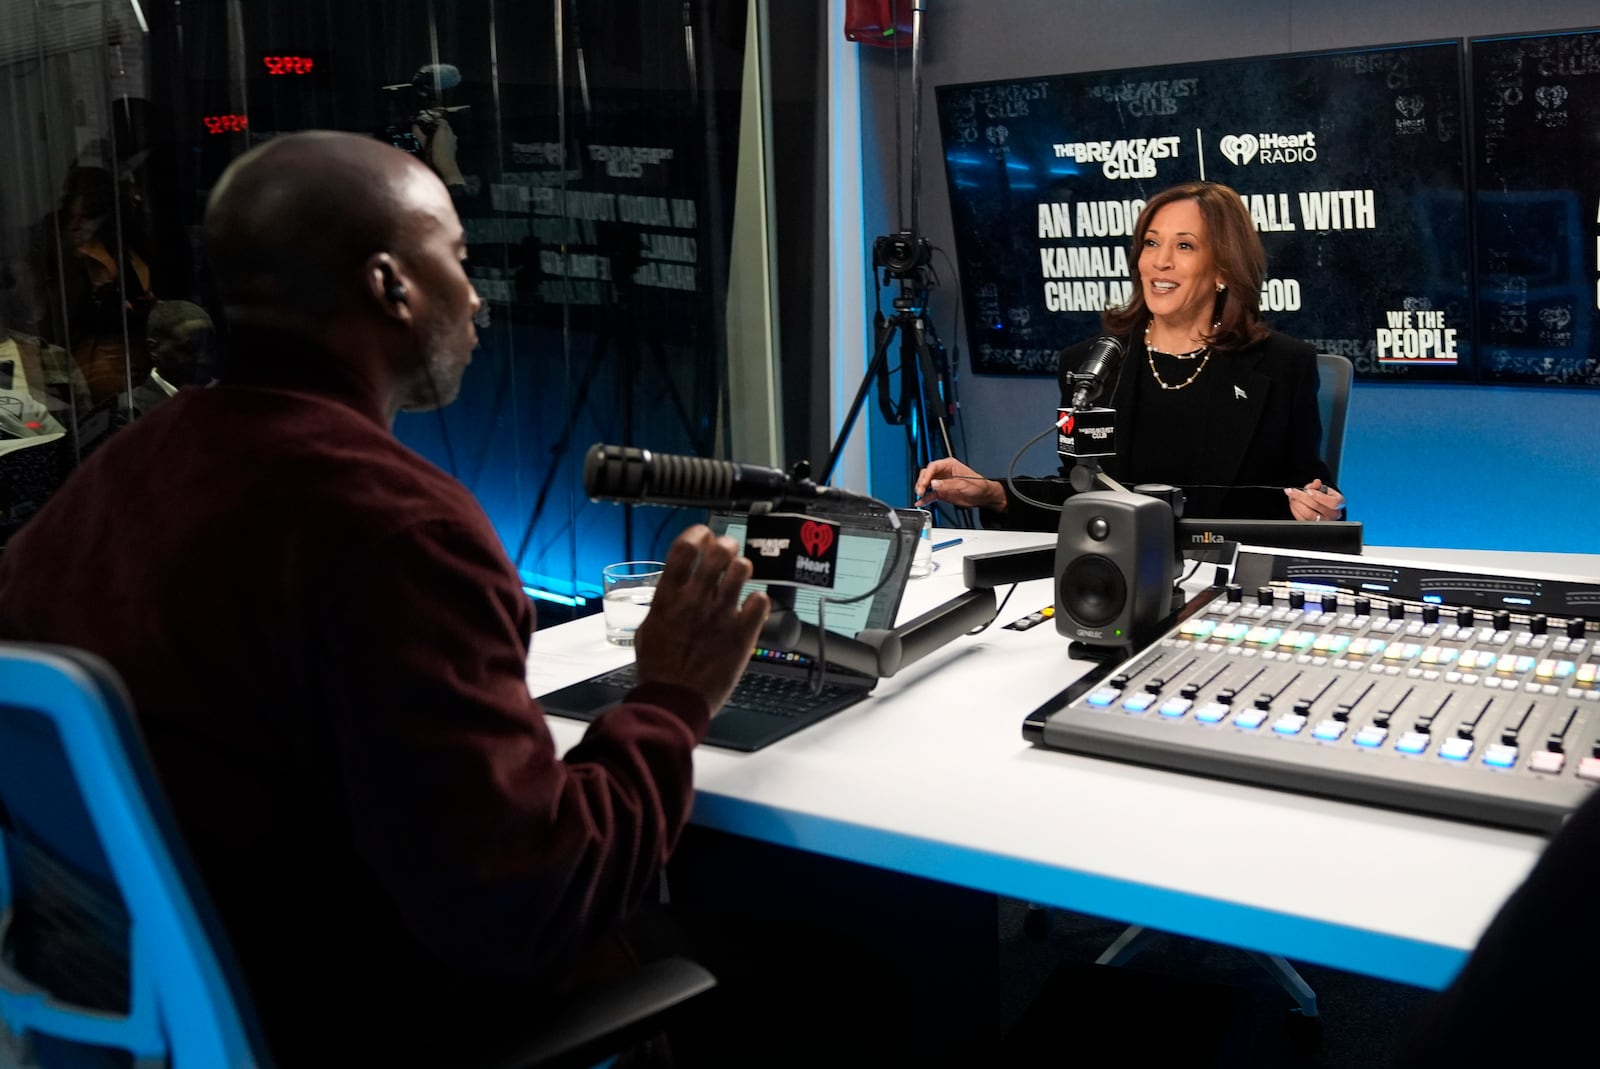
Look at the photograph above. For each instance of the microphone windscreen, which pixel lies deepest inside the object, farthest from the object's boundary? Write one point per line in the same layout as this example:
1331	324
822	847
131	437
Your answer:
624	473
1098	368
446	75
614	471
1104	356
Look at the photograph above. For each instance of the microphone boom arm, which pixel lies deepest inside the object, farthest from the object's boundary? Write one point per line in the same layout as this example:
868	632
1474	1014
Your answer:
877	652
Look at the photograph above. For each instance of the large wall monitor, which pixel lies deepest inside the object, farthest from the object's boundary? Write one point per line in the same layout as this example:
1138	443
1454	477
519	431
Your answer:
1536	162
1353	165
1428	233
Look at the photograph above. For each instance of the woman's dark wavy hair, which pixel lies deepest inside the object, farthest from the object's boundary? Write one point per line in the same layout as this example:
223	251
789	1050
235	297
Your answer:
1241	261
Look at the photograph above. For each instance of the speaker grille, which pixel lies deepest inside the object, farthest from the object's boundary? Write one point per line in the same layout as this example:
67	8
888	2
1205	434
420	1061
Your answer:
1093	591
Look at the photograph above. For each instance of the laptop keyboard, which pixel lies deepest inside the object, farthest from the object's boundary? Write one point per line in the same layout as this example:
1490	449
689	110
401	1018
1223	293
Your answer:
766	693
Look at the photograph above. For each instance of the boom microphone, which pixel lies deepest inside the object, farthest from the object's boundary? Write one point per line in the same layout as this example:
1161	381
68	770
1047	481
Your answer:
623	473
1105	357
444	75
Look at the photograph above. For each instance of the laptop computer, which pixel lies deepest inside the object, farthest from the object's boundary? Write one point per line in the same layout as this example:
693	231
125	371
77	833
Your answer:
782	692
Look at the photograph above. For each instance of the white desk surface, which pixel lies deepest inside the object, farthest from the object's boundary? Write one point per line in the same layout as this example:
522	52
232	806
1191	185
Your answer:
931	776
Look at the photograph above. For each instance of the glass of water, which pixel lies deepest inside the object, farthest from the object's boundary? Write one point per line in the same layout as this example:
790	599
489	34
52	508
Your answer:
627	591
922	562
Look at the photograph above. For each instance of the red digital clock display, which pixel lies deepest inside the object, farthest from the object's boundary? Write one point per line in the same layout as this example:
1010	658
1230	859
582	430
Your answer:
288	64
225	124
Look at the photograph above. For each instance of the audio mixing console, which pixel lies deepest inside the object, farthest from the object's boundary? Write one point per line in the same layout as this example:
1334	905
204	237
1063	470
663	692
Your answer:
1461	694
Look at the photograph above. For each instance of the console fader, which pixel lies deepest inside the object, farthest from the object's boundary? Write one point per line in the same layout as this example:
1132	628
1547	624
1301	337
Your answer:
1446	692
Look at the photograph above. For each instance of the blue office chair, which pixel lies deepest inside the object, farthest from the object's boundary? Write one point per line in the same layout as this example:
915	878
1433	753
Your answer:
130	958
107	937
1335	374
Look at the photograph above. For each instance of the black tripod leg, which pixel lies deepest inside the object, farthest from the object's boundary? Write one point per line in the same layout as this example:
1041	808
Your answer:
933	402
880	352
559	450
916	418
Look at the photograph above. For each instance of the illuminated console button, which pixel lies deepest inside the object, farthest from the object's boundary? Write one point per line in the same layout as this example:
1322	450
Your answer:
1456	749
1333	645
1263	636
1138	703
1103	697
1297	640
1250	719
1198	628
1412	742
1547	761
1175	707
1328	730
1589	768
1371	736
1500	756
1289	724
1211	713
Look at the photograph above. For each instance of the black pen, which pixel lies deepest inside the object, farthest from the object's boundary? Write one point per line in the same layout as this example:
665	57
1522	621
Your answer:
946	545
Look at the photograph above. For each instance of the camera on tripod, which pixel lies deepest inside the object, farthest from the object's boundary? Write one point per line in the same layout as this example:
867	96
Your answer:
421	104
902	254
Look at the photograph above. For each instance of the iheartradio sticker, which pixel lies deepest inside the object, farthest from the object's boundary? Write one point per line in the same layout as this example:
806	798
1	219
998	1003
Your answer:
791	548
816	537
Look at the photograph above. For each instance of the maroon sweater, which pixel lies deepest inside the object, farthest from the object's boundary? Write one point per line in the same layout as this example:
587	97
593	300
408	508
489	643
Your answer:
326	646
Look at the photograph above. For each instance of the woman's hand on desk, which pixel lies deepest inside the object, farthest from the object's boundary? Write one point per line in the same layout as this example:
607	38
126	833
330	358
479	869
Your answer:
1315	502
951	481
696	634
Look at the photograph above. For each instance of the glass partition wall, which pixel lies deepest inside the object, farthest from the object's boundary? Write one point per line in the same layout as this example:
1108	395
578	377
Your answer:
606	158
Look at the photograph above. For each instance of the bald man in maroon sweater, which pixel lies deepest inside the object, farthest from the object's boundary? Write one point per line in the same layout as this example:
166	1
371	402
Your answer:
326	642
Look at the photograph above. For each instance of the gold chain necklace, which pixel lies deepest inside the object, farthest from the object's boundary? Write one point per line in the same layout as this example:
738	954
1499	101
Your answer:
1203	354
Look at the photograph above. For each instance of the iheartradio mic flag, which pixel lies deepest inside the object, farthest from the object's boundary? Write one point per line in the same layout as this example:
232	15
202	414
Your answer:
787	548
1086	432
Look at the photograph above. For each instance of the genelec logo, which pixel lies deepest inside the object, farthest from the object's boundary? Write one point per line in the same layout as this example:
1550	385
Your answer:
1241	149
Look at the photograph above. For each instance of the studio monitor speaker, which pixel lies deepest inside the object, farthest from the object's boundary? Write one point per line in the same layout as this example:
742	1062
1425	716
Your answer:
1115	567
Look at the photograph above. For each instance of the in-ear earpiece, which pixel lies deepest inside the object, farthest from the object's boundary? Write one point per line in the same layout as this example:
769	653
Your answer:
396	293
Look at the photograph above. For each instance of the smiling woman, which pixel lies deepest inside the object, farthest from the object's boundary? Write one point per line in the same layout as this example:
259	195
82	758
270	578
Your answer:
1208	399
